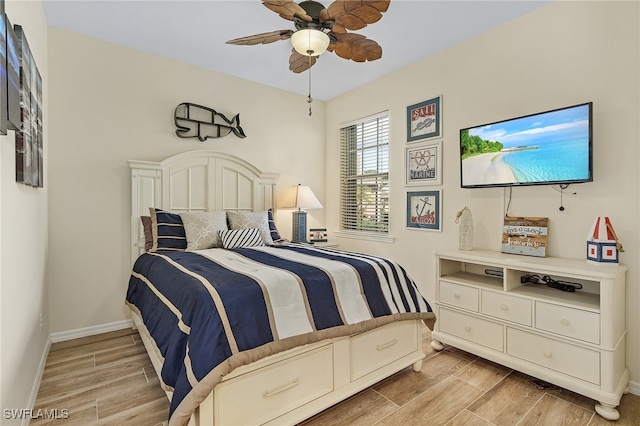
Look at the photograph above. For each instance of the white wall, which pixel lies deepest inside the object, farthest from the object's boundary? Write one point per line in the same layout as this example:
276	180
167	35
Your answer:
23	251
113	104
562	54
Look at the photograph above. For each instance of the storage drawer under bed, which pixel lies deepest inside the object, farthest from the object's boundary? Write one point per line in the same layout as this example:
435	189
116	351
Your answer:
273	390
376	348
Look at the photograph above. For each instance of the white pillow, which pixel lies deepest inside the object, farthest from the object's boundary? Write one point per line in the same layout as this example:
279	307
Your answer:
201	229
246	220
237	238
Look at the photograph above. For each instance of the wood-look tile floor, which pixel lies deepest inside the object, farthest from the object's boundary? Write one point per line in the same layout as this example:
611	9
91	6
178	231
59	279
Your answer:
105	379
108	379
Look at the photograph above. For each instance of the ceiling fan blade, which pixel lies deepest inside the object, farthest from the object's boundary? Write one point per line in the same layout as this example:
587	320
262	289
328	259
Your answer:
262	38
355	15
287	9
299	63
338	29
356	47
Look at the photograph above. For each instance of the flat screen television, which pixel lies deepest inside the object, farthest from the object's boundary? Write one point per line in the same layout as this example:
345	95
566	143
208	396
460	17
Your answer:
547	148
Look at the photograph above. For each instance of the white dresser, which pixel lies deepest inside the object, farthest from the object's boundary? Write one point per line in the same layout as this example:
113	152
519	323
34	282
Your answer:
575	340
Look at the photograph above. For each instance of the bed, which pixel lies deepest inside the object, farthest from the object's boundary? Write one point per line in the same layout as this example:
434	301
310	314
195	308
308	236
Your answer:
256	330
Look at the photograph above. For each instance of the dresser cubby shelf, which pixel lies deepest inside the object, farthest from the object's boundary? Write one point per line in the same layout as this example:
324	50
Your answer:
575	340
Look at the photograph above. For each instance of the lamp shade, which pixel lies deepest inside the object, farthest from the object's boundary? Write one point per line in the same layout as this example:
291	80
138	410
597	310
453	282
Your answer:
300	197
310	42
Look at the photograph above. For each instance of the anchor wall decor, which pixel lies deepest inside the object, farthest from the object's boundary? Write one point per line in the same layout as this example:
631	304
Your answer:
197	121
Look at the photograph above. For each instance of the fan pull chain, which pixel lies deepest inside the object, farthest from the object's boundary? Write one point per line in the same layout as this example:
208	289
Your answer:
309	99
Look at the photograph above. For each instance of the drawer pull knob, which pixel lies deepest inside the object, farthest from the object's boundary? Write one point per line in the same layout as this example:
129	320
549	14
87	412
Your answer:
547	354
457	296
564	321
282	388
386	345
467	328
504	307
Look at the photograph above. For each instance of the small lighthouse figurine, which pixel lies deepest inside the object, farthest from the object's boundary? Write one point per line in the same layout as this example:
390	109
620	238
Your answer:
602	242
465	229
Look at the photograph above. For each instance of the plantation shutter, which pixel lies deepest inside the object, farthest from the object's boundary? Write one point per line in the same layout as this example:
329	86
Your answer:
364	179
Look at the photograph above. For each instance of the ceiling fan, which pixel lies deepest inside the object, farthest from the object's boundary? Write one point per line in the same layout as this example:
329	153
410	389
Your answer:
319	29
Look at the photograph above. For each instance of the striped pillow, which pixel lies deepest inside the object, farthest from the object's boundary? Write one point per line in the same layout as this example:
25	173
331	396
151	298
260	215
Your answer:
168	231
275	235
237	238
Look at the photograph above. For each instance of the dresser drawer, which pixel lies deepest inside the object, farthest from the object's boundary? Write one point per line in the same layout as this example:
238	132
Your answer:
459	295
486	333
275	389
376	348
559	356
506	307
570	322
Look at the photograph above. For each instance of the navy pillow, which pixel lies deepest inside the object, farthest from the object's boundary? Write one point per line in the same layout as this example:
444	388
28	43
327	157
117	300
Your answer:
275	235
168	231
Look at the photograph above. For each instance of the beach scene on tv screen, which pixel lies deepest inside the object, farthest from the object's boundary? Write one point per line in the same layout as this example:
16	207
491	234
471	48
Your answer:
546	147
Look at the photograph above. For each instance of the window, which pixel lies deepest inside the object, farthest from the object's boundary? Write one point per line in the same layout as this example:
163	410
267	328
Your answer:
364	175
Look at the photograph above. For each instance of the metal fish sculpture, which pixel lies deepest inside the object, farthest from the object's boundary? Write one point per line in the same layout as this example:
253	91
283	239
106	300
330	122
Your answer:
197	121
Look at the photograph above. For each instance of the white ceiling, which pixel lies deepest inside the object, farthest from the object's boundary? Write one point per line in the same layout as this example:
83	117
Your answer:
195	31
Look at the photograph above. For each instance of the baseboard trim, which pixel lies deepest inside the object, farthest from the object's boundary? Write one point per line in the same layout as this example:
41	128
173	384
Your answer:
634	388
90	331
36	383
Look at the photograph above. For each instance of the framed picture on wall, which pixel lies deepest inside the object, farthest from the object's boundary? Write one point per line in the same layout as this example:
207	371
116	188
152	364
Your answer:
424	210
3	71
29	138
13	78
424	120
423	164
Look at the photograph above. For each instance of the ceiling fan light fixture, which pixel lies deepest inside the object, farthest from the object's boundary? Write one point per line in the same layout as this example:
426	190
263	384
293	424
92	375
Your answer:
310	42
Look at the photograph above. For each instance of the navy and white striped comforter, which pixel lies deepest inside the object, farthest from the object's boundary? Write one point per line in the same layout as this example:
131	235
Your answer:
213	310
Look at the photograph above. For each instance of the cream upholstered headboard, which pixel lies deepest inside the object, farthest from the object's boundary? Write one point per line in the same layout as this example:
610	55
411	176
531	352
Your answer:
196	181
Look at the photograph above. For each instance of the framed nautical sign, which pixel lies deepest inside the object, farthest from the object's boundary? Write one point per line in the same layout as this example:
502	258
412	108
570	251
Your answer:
525	235
424	210
424	120
423	164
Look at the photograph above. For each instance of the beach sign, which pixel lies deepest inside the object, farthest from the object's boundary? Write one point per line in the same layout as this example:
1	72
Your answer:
525	235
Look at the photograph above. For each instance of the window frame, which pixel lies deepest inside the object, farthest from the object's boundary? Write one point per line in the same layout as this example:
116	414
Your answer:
352	164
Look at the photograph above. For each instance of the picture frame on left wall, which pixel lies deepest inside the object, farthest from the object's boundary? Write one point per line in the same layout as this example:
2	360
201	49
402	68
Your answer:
13	78
424	210
29	138
3	71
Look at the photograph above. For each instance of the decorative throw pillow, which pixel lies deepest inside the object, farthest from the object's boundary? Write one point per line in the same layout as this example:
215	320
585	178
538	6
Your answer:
237	238
168	231
273	230
246	220
201	229
148	233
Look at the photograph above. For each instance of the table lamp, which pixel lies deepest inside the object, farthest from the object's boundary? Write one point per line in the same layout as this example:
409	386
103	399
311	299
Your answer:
300	197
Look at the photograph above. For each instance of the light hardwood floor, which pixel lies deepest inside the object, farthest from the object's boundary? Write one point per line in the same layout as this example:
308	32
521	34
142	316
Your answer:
108	380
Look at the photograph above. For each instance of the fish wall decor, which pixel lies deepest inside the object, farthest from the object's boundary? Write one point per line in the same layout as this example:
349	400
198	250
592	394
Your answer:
197	121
